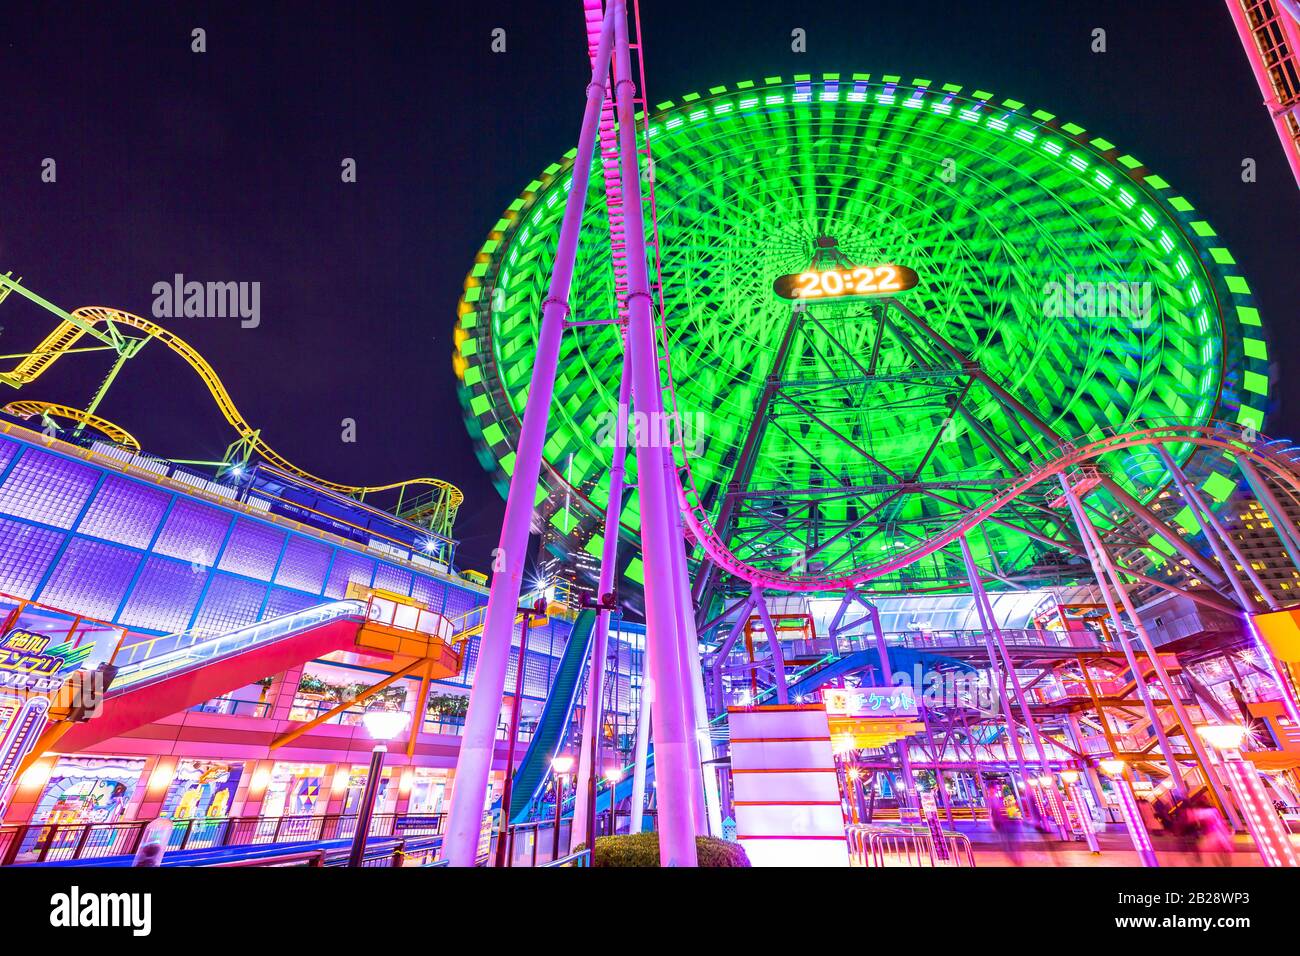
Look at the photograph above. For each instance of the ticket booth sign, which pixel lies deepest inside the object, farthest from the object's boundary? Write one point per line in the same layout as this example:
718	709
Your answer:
870	702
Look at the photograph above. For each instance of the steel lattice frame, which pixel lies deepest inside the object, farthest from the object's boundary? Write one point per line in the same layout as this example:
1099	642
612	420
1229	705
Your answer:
988	200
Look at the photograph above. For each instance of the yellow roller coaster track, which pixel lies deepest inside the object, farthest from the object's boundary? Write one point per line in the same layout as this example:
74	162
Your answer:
114	433
442	511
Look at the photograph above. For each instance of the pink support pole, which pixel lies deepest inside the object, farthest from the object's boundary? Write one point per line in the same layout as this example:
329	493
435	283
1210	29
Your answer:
474	764
695	713
1219	539
600	640
675	749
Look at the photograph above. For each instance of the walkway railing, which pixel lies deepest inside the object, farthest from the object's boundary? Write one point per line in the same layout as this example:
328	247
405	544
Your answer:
877	846
144	660
54	842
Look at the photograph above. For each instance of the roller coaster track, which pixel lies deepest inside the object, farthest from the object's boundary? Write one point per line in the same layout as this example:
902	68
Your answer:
1225	436
114	433
66	335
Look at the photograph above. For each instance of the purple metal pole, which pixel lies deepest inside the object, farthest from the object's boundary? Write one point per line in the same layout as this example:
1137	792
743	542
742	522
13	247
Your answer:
1099	558
995	674
693	706
512	735
583	806
1219	539
636	812
675	748
474	763
903	747
1162	675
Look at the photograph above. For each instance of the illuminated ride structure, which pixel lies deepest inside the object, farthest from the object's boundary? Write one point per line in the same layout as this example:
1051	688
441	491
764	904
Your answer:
178	583
125	334
1270	34
877	337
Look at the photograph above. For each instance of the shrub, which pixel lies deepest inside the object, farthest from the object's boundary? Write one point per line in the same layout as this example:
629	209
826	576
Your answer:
642	849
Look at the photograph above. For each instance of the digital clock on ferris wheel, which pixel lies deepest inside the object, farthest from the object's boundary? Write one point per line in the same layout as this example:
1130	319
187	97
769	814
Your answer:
842	283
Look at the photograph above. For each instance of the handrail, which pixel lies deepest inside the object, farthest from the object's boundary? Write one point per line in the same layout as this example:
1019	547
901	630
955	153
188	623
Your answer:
193	647
581	858
872	845
170	483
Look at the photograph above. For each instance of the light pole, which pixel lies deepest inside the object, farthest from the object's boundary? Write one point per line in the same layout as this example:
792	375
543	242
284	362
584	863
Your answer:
855	794
1070	780
539	609
612	776
382	725
560	765
1117	770
1271	839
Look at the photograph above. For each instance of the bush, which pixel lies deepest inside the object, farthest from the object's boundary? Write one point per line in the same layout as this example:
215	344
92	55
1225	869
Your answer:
642	849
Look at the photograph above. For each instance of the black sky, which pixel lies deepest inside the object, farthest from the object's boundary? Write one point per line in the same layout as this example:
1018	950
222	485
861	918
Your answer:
225	166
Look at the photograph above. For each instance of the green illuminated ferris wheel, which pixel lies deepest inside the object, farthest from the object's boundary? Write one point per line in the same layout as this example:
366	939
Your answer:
835	428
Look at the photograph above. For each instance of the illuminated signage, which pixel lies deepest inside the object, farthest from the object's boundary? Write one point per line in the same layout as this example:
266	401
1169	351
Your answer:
28	663
843	283
869	702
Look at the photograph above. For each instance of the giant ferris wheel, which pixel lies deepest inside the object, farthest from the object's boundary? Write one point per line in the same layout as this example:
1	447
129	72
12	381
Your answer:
1061	292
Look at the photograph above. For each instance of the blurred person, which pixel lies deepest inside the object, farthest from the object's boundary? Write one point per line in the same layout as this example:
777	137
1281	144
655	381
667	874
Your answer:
1006	827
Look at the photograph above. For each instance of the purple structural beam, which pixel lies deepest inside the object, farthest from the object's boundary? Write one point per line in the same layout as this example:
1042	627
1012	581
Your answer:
676	752
474	763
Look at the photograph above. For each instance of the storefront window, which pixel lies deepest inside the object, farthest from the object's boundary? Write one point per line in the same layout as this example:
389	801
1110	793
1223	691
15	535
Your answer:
294	790
88	790
202	788
429	790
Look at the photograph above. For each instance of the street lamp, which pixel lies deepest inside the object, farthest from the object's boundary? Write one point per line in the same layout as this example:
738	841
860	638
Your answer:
1070	781
538	609
561	764
382	725
1117	770
1272	841
612	776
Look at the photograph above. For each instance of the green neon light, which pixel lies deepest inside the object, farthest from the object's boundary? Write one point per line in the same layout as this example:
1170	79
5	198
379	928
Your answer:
744	184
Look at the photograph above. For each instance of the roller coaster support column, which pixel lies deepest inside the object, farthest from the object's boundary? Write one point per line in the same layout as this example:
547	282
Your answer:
746	608
1207	569
584	804
694	709
1219	539
1273	508
1089	771
887	675
636	812
1059	817
992	644
675	748
477	747
1104	569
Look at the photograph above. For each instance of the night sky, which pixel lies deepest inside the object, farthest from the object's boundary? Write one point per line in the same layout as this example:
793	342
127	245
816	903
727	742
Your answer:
226	166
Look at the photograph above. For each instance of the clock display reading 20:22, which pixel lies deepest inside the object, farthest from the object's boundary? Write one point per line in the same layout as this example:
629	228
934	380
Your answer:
839	283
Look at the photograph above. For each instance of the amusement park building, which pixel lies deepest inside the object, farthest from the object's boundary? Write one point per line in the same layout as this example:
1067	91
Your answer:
152	551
